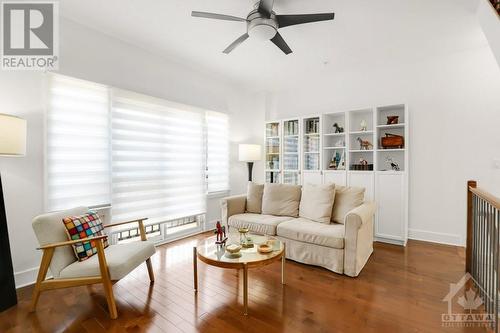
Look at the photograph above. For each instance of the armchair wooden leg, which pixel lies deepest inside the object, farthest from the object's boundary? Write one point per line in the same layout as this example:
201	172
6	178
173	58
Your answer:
106	281
150	270
42	273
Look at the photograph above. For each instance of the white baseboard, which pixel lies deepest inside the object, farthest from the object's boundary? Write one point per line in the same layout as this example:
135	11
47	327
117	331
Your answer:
436	237
26	277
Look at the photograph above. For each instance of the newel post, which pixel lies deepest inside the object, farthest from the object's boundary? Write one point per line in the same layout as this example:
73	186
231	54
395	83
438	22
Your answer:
468	246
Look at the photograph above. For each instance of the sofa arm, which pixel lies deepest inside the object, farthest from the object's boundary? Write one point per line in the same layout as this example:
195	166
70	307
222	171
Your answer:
358	238
231	206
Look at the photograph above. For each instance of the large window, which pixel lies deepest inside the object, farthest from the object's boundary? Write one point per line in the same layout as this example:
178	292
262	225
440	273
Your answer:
217	152
158	159
146	157
77	154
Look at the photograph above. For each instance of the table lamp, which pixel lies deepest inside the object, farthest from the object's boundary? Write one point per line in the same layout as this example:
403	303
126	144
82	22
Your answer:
249	153
12	143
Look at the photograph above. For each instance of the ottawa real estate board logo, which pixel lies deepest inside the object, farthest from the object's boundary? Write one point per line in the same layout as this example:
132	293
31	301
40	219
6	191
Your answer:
30	35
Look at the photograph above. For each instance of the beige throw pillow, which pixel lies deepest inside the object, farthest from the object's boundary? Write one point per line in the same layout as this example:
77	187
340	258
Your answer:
346	199
254	197
316	202
281	199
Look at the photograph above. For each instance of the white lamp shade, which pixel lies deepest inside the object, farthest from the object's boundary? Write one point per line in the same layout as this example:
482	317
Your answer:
249	153
12	136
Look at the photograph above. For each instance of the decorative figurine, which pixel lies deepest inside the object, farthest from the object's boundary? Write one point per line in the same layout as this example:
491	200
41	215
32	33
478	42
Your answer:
392	120
363	125
394	165
362	161
364	144
220	231
333	163
338	129
341	164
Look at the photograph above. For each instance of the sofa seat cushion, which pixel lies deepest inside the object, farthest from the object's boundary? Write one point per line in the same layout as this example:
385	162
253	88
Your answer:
121	259
304	230
261	224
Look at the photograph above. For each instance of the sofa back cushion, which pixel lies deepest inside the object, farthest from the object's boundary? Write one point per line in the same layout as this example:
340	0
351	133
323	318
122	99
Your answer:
254	198
281	199
346	199
316	202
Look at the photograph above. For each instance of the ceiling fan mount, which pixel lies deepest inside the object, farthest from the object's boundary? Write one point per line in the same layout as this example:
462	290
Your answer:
263	24
260	26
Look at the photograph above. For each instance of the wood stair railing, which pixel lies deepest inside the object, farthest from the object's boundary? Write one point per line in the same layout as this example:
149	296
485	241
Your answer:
482	253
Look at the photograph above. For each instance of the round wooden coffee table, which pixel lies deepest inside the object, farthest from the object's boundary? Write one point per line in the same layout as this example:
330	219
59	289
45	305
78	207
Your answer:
214	254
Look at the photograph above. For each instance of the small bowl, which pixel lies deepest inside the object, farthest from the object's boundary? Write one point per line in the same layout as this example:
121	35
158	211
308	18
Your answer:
264	248
233	248
243	230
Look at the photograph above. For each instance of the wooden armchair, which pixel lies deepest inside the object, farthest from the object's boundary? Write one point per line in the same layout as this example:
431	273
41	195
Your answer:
107	267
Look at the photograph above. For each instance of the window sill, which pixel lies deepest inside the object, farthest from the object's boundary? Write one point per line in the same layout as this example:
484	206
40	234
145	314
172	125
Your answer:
219	194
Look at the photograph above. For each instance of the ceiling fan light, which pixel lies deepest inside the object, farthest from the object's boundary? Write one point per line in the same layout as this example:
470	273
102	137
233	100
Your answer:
262	32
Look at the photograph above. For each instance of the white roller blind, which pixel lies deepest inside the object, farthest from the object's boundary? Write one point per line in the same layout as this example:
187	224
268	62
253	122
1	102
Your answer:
217	152
77	159
158	159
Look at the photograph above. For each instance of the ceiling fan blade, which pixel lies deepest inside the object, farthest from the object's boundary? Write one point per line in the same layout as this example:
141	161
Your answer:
280	42
287	20
266	7
237	42
217	16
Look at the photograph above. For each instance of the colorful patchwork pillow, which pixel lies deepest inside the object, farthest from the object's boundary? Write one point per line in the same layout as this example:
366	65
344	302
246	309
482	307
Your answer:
84	226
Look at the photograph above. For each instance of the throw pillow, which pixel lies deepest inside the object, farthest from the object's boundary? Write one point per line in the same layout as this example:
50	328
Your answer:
254	198
346	199
316	202
84	226
281	199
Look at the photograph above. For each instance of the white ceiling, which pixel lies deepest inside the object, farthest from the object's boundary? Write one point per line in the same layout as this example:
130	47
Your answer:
365	33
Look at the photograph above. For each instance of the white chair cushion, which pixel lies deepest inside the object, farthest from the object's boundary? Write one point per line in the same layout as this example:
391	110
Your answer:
261	224
304	230
281	199
121	259
316	202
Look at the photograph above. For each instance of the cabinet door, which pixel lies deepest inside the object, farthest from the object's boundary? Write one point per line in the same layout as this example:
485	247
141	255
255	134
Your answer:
291	177
335	177
391	219
363	179
312	177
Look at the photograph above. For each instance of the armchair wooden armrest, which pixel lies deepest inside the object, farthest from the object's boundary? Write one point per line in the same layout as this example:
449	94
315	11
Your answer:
139	221
71	242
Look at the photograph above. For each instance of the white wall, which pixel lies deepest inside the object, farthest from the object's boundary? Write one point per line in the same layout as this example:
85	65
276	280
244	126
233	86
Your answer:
90	55
454	105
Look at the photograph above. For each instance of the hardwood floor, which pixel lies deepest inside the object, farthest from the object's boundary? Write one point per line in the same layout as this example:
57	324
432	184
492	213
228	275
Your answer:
399	290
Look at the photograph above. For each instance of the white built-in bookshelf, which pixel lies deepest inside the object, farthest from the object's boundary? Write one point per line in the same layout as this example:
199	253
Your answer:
310	149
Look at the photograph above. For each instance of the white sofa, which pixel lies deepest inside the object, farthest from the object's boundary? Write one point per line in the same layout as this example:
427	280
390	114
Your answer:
342	243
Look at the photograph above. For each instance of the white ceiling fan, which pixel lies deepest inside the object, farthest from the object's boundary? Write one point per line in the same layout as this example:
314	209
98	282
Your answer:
263	23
